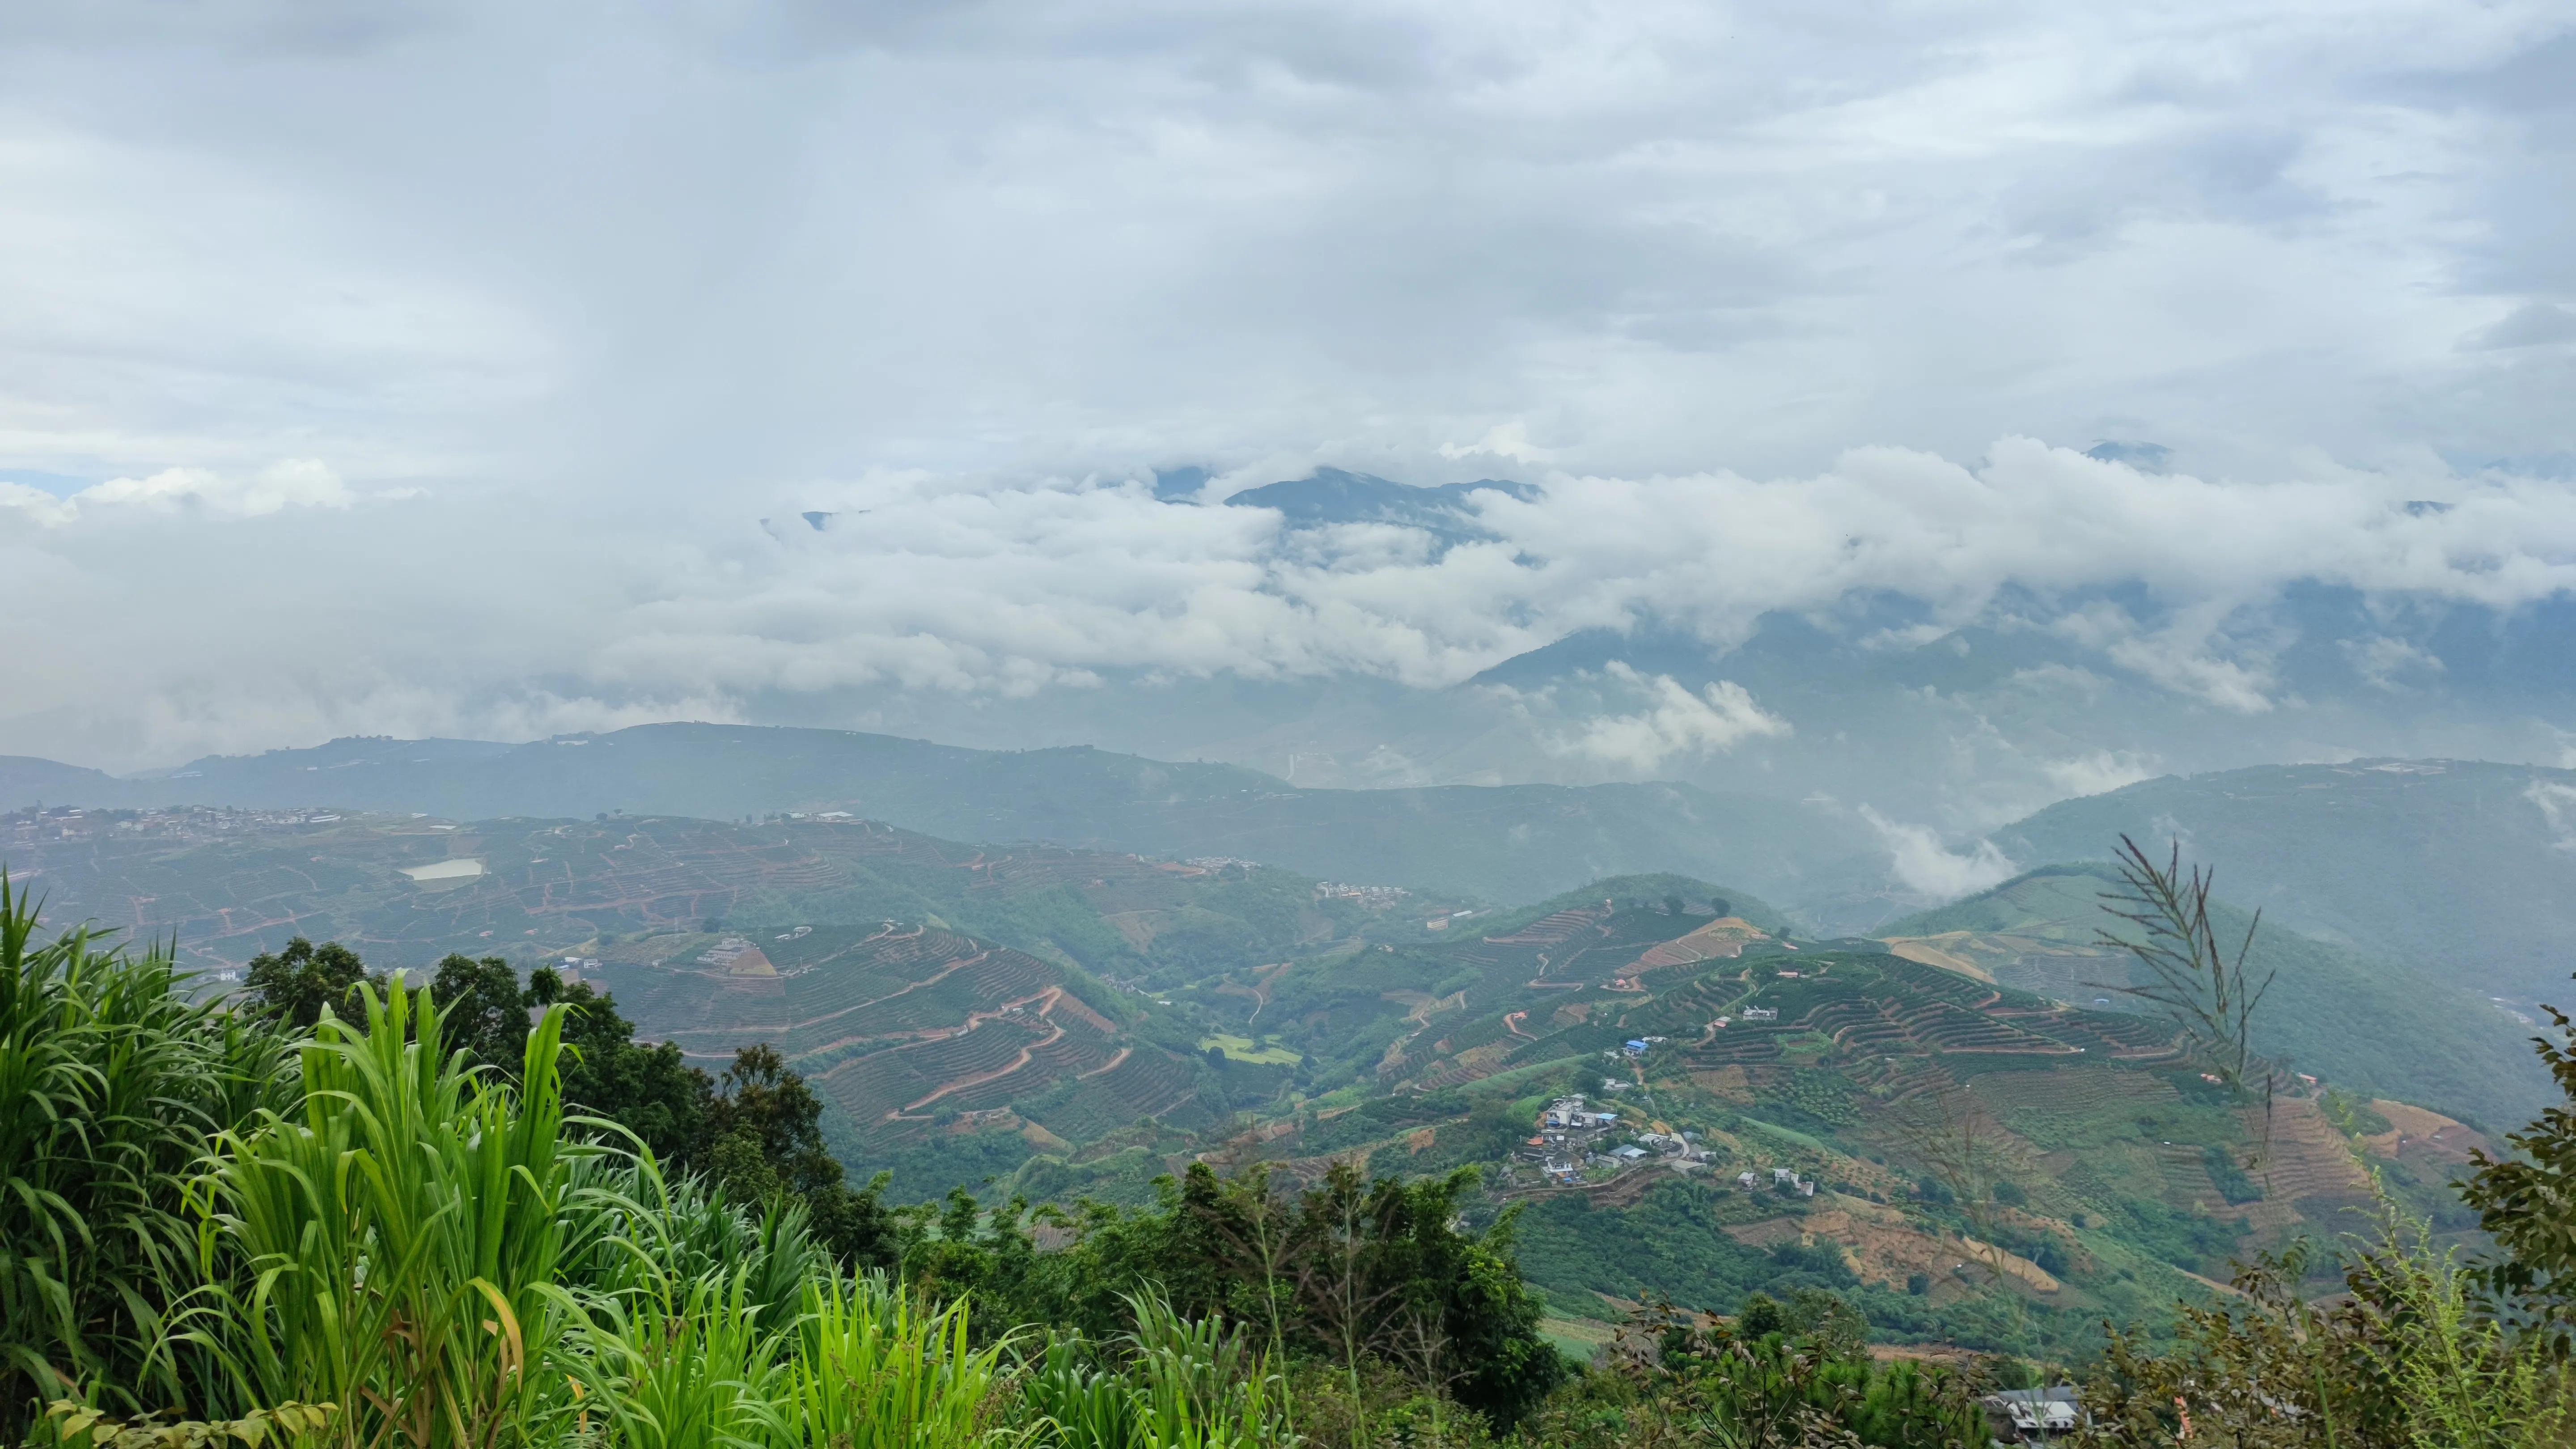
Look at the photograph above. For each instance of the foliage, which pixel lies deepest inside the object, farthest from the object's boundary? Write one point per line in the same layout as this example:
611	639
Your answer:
1679	1380
1383	1269
762	1137
77	1426
2410	1356
295	984
877	1367
392	1245
112	1084
756	1131
2190	973
2527	1202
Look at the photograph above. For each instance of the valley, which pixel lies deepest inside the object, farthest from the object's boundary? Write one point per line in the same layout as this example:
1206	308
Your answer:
1963	1125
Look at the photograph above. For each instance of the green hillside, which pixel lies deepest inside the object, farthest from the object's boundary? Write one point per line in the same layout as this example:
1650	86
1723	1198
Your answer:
2106	1170
2376	1027
2467	869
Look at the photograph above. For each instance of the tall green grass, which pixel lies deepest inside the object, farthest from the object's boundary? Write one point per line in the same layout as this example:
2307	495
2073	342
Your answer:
876	1370
113	1082
391	1245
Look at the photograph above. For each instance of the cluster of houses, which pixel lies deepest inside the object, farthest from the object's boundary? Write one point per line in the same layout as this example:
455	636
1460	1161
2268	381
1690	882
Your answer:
42	825
1783	1179
1573	1135
2034	1416
1375	897
1570	1134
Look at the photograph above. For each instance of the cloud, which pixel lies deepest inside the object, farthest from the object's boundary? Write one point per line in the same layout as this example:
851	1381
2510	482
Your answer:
1003	587
1503	440
2558	807
2533	324
1674	723
200	492
2379	660
1929	868
2099	772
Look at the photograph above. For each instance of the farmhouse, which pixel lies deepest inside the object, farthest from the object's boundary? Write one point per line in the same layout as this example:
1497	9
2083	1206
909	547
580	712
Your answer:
2031	1416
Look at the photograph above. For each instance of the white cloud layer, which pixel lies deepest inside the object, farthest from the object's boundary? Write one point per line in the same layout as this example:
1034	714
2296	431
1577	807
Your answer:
2098	773
1924	865
1751	291
2557	805
1673	723
922	582
202	492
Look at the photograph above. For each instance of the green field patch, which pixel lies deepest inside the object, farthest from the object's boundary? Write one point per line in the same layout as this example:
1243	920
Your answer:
1785	1134
1245	1049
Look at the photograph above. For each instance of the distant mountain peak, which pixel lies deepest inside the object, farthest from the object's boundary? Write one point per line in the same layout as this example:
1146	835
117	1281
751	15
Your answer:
1333	495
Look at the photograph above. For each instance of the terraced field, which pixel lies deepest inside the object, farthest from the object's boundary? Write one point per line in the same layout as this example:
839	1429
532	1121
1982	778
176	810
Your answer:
905	1026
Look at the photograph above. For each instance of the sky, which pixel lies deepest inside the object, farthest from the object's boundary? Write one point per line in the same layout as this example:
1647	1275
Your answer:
464	368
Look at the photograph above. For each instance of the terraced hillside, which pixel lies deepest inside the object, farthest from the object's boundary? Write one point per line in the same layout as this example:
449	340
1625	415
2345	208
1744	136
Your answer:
1950	1128
913	1029
1968	1160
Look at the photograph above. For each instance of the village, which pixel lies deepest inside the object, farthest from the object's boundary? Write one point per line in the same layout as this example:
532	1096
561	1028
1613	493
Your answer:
1580	1144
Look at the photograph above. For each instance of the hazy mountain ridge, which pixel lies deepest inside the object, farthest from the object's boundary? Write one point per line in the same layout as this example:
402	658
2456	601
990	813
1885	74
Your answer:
2379	1026
1513	842
2466	869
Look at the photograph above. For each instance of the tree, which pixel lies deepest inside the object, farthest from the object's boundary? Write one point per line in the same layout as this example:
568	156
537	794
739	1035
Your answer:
2527	1202
1383	1269
1760	1317
485	1011
293	985
762	1136
651	1091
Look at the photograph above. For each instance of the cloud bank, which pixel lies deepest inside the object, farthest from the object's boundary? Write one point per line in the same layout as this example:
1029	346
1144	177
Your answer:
272	597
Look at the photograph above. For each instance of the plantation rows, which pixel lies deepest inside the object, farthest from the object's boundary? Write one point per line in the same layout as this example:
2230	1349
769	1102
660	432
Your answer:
1149	1083
1549	930
893	1079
